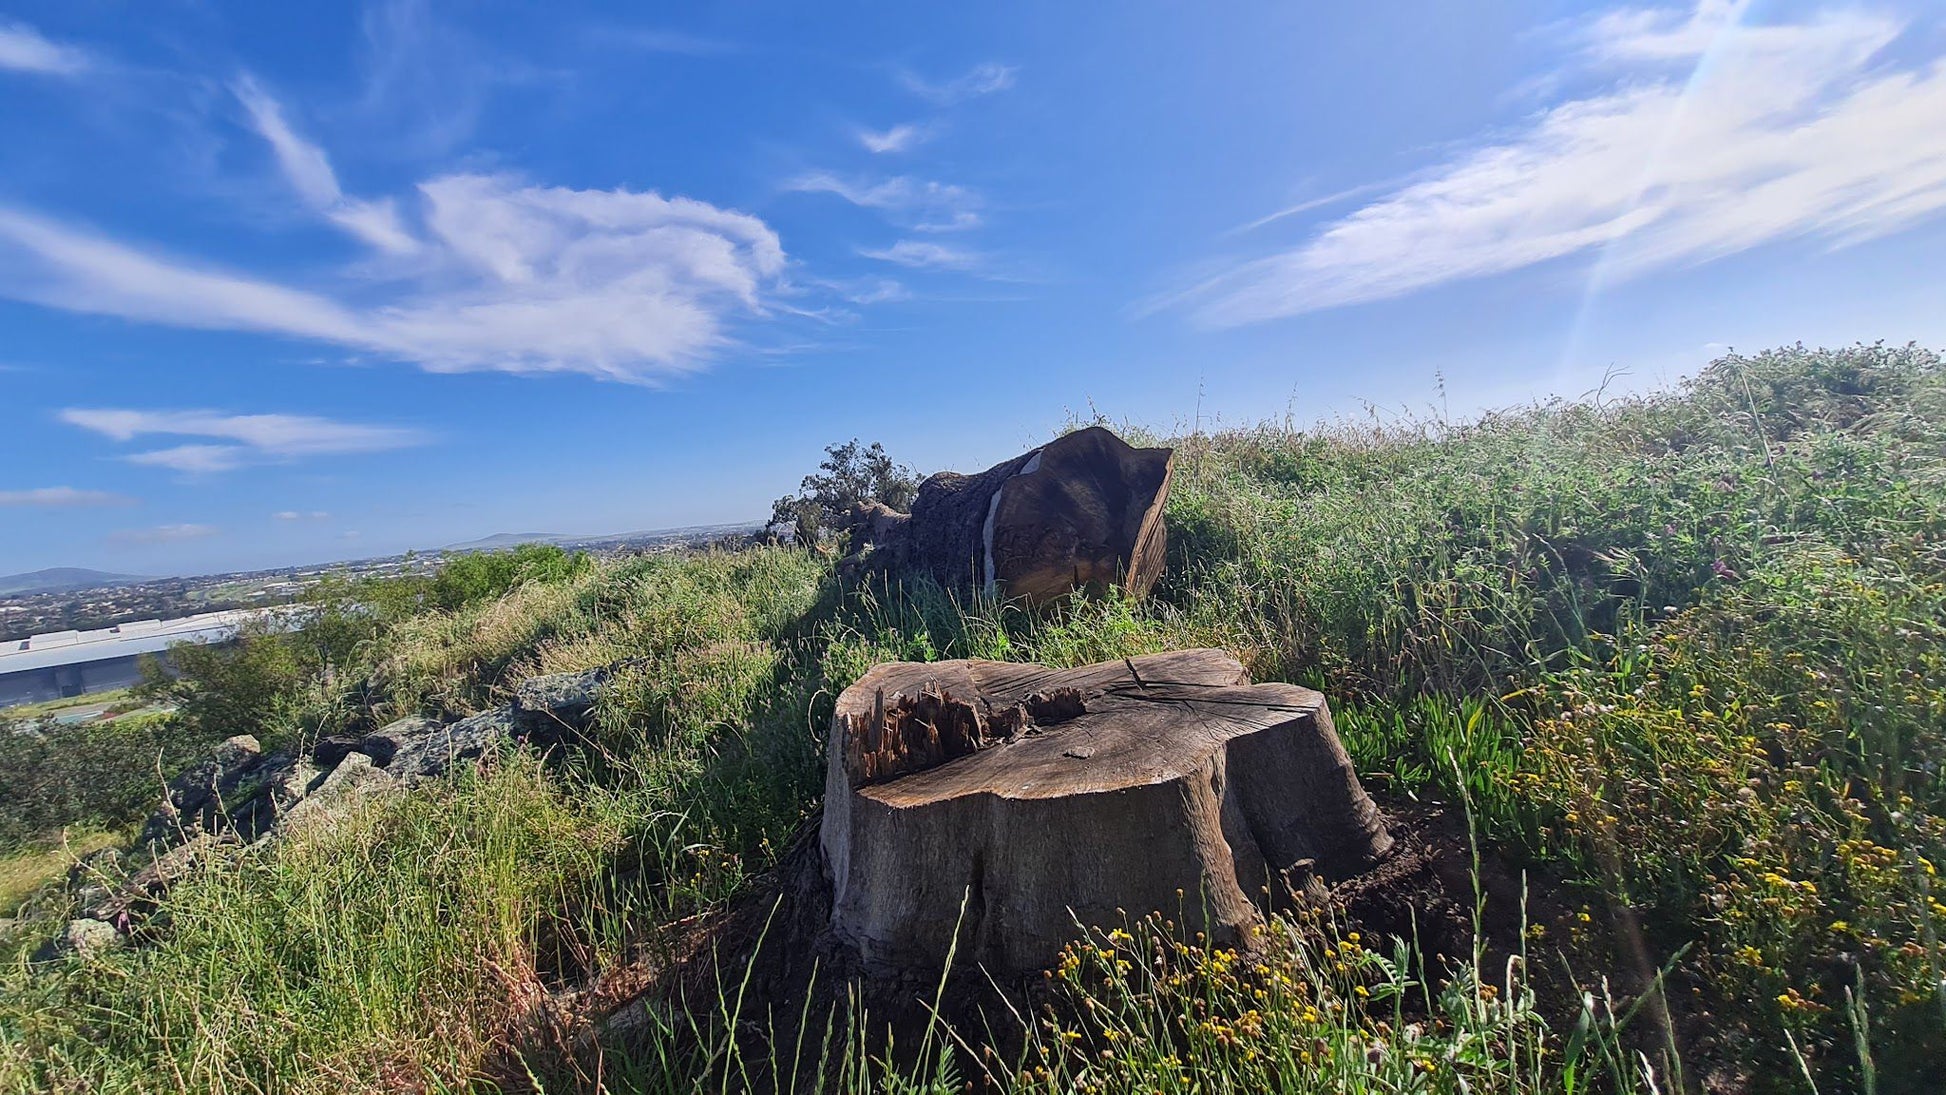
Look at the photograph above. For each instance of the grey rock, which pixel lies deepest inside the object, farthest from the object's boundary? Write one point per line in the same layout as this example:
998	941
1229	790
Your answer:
251	804
85	936
451	746
81	938
299	780
285	783
560	701
356	770
237	789
333	748
384	743
202	797
335	794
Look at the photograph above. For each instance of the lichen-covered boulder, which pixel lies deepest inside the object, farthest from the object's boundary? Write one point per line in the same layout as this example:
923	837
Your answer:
441	750
560	701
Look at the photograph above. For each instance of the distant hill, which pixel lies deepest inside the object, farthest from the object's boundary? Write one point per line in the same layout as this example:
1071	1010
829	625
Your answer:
61	580
502	540
686	532
507	540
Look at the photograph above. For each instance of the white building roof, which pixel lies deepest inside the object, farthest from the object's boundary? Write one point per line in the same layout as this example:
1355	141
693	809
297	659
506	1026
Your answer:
138	637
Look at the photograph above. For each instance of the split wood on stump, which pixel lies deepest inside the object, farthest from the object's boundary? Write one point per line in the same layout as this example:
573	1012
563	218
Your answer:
1082	511
1008	801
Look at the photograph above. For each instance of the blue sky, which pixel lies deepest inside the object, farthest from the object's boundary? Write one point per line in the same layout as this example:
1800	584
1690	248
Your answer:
287	283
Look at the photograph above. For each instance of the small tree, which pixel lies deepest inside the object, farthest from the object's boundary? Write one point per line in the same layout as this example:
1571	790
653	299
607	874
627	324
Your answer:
235	687
850	474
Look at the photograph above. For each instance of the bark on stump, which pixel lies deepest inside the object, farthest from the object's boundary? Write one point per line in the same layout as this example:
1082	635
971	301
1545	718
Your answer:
1037	797
1082	511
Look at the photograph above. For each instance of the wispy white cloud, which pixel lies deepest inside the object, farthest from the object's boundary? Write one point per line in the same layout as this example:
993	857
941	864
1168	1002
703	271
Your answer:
617	284
62	498
926	255
982	79
49	263
899	138
479	272
919	204
301	515
283	434
426	80
194	459
237	440
866	290
876	291
1305	206
1714	136
24	49
310	174
161	534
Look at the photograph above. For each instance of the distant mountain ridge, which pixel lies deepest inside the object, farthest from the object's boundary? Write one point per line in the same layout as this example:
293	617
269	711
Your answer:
63	580
501	540
68	579
507	540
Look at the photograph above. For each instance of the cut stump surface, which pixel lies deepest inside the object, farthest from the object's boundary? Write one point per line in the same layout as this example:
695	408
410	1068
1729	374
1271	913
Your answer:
1008	801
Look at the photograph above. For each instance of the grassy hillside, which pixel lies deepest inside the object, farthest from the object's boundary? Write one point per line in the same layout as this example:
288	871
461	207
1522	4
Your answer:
1681	656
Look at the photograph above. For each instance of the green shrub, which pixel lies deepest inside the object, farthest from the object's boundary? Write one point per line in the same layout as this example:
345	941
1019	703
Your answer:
270	683
483	575
95	775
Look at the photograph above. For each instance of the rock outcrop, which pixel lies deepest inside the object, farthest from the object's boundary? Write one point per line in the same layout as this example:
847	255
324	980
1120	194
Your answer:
560	701
239	795
219	792
1083	511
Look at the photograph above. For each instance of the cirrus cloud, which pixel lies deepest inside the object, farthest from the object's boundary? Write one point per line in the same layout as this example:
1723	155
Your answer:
309	172
925	255
237	440
1715	135
497	273
61	497
24	49
921	204
982	79
898	138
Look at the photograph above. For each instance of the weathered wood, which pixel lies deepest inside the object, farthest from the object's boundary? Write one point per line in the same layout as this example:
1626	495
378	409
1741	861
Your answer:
1037	797
1082	511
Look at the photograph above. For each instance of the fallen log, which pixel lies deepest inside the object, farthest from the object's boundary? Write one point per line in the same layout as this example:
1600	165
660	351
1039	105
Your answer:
1006	802
1082	511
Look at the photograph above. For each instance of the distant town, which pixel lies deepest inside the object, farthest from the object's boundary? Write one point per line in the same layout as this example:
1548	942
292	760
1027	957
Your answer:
68	600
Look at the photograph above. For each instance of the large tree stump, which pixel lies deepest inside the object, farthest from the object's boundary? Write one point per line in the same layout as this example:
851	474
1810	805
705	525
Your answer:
1082	511
1035	797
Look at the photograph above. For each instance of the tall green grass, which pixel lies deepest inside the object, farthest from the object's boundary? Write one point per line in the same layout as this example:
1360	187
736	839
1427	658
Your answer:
1680	655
